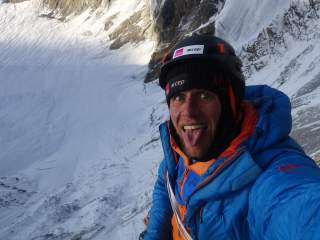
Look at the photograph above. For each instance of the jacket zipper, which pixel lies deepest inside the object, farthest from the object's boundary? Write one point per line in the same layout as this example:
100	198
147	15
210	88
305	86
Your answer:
229	161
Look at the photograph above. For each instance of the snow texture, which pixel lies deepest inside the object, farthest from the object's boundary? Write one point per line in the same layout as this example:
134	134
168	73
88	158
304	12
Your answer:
241	20
78	129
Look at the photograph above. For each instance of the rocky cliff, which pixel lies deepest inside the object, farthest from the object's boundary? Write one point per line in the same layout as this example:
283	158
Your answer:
132	24
174	19
289	44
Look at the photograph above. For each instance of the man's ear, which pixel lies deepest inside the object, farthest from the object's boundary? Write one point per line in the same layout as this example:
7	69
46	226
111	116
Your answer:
171	127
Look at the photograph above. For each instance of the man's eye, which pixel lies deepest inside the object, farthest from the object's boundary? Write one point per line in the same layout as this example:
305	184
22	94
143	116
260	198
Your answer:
178	97
205	95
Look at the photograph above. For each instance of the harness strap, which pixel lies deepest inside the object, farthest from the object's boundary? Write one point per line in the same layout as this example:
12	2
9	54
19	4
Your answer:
175	209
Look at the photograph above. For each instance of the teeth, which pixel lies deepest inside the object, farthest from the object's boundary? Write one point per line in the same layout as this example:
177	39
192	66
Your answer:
193	127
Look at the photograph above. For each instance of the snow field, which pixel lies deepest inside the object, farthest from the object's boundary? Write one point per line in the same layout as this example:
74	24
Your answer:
75	129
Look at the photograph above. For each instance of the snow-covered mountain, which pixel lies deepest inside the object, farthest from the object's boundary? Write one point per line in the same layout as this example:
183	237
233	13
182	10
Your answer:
78	127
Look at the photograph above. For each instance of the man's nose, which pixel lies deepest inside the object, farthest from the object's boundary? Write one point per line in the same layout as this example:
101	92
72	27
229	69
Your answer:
191	106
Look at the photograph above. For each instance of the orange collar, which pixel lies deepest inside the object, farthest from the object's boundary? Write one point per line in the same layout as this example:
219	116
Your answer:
247	128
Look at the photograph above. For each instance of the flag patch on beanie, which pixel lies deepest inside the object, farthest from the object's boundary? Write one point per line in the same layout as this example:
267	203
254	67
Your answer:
188	50
167	89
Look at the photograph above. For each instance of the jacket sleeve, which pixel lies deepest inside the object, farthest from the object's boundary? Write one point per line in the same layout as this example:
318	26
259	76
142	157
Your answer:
159	225
284	203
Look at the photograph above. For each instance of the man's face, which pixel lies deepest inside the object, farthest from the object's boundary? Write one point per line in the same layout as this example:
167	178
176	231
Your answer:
195	114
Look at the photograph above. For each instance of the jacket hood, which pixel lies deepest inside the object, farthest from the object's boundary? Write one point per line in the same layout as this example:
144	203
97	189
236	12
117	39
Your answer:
274	117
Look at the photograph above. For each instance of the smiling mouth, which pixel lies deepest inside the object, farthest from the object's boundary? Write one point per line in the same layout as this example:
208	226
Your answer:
194	127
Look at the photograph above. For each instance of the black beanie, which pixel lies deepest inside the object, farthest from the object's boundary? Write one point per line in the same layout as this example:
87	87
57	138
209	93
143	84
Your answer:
202	75
185	76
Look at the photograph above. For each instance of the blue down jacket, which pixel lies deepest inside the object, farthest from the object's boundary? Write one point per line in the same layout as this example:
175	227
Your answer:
270	190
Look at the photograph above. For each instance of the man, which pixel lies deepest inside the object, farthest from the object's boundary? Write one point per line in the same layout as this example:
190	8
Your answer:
230	169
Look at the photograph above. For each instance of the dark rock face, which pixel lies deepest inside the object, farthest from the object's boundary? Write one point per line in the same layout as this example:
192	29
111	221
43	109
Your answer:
296	20
14	1
66	7
131	30
297	23
134	29
269	42
177	18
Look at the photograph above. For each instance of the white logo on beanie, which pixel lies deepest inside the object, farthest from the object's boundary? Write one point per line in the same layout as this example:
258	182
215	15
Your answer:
177	83
188	50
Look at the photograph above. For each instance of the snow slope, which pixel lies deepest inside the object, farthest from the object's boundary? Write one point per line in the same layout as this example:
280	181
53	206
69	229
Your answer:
77	127
241	20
